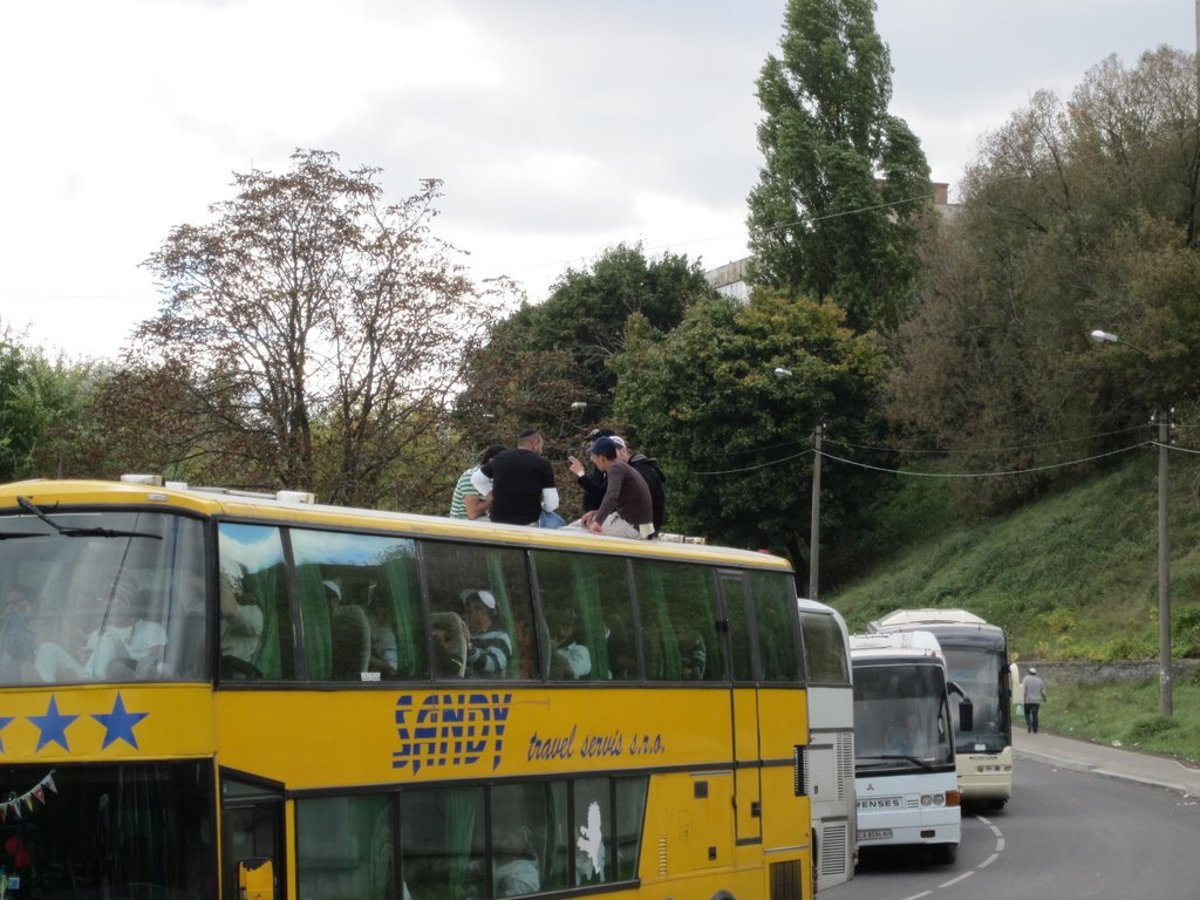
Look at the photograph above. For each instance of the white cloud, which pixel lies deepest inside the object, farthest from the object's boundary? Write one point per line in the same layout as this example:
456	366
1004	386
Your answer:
559	128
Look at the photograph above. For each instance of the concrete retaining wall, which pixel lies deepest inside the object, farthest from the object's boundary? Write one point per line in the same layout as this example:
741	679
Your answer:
1102	672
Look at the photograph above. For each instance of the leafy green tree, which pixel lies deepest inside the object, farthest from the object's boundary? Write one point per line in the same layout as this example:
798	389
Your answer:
544	358
844	184
44	412
1077	216
313	332
733	436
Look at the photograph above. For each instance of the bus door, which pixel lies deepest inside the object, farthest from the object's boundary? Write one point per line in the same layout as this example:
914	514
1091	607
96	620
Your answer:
735	623
252	839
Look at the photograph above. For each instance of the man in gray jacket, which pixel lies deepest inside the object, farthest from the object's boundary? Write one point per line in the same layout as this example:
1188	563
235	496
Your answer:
1035	696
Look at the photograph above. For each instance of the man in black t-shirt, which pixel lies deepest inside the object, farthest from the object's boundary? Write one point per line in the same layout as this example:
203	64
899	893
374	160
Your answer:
522	482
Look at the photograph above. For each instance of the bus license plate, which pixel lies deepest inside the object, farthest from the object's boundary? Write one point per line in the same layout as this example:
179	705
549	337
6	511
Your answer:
875	834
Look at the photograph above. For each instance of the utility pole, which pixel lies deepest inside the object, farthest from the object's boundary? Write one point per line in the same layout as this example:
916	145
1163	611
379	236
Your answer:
814	540
1166	707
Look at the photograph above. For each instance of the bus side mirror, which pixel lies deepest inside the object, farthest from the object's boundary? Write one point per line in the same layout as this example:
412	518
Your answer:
256	879
966	716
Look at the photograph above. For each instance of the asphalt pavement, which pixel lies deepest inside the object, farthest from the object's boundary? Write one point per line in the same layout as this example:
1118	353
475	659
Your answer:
1101	759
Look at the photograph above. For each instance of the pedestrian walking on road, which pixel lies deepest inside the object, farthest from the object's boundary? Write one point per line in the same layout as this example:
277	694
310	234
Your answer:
1035	696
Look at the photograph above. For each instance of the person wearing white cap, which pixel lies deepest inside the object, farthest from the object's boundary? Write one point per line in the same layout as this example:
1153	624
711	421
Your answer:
489	647
1035	696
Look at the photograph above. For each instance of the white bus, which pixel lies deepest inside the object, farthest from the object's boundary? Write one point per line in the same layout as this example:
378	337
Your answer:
829	766
905	781
977	660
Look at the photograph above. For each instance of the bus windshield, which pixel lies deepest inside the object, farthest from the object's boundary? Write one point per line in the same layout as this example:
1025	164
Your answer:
101	596
901	718
978	672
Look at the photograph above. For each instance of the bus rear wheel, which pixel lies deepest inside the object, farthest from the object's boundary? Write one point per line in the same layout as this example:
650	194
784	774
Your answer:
945	853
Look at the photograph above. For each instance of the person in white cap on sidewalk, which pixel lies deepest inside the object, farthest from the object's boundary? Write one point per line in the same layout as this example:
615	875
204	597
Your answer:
1035	696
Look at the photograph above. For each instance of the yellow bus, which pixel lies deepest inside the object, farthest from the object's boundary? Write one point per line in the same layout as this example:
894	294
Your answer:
211	693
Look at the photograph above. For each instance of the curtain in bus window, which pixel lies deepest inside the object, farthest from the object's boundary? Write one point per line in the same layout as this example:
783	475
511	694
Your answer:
504	613
585	604
528	835
682	620
251	568
663	661
403	604
344	848
441	843
315	618
774	607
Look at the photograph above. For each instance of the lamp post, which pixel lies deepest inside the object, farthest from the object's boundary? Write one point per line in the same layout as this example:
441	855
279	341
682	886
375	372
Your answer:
814	529
1162	418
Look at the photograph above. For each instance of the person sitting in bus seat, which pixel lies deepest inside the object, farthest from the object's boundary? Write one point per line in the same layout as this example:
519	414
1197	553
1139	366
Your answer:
241	623
515	869
385	649
129	643
905	740
450	637
569	659
489	648
18	643
693	655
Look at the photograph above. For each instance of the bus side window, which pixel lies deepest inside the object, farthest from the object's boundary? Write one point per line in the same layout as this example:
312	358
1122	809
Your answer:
251	561
678	610
488	587
585	604
774	607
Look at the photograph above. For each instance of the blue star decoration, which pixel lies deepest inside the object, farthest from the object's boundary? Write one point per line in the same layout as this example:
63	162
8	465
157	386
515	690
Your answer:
5	721
119	724
53	726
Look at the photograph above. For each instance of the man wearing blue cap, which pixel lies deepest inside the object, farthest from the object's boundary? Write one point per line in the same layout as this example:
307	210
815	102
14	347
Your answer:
626	510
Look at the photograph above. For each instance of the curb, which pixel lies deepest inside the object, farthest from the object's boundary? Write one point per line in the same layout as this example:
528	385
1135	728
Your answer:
1077	766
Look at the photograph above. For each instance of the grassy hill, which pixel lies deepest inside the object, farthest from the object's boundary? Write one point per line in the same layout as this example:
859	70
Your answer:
1072	576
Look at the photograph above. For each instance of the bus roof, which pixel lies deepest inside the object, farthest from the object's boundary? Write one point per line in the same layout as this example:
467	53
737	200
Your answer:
927	616
895	645
952	626
297	508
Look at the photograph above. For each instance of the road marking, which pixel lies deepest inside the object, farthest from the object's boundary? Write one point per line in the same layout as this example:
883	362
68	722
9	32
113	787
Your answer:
963	877
987	862
916	896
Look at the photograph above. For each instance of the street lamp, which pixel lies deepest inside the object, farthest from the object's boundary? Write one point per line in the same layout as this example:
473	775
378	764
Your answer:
814	532
1162	417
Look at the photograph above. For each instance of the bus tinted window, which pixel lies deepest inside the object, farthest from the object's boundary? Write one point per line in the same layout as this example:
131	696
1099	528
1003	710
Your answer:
487	590
824	649
678	616
589	622
442	842
360	604
344	848
106	596
740	638
253	596
774	602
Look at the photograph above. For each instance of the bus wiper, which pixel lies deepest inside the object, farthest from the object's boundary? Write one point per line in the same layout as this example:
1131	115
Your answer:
915	760
17	535
30	507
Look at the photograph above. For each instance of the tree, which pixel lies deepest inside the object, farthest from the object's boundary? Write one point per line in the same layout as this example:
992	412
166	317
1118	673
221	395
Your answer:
543	358
44	412
843	184
1077	216
313	332
733	437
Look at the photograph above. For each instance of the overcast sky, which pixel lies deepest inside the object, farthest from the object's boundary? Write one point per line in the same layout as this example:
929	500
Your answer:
560	127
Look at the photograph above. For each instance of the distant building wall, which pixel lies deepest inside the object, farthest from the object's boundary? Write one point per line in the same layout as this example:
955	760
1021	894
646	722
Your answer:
730	279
